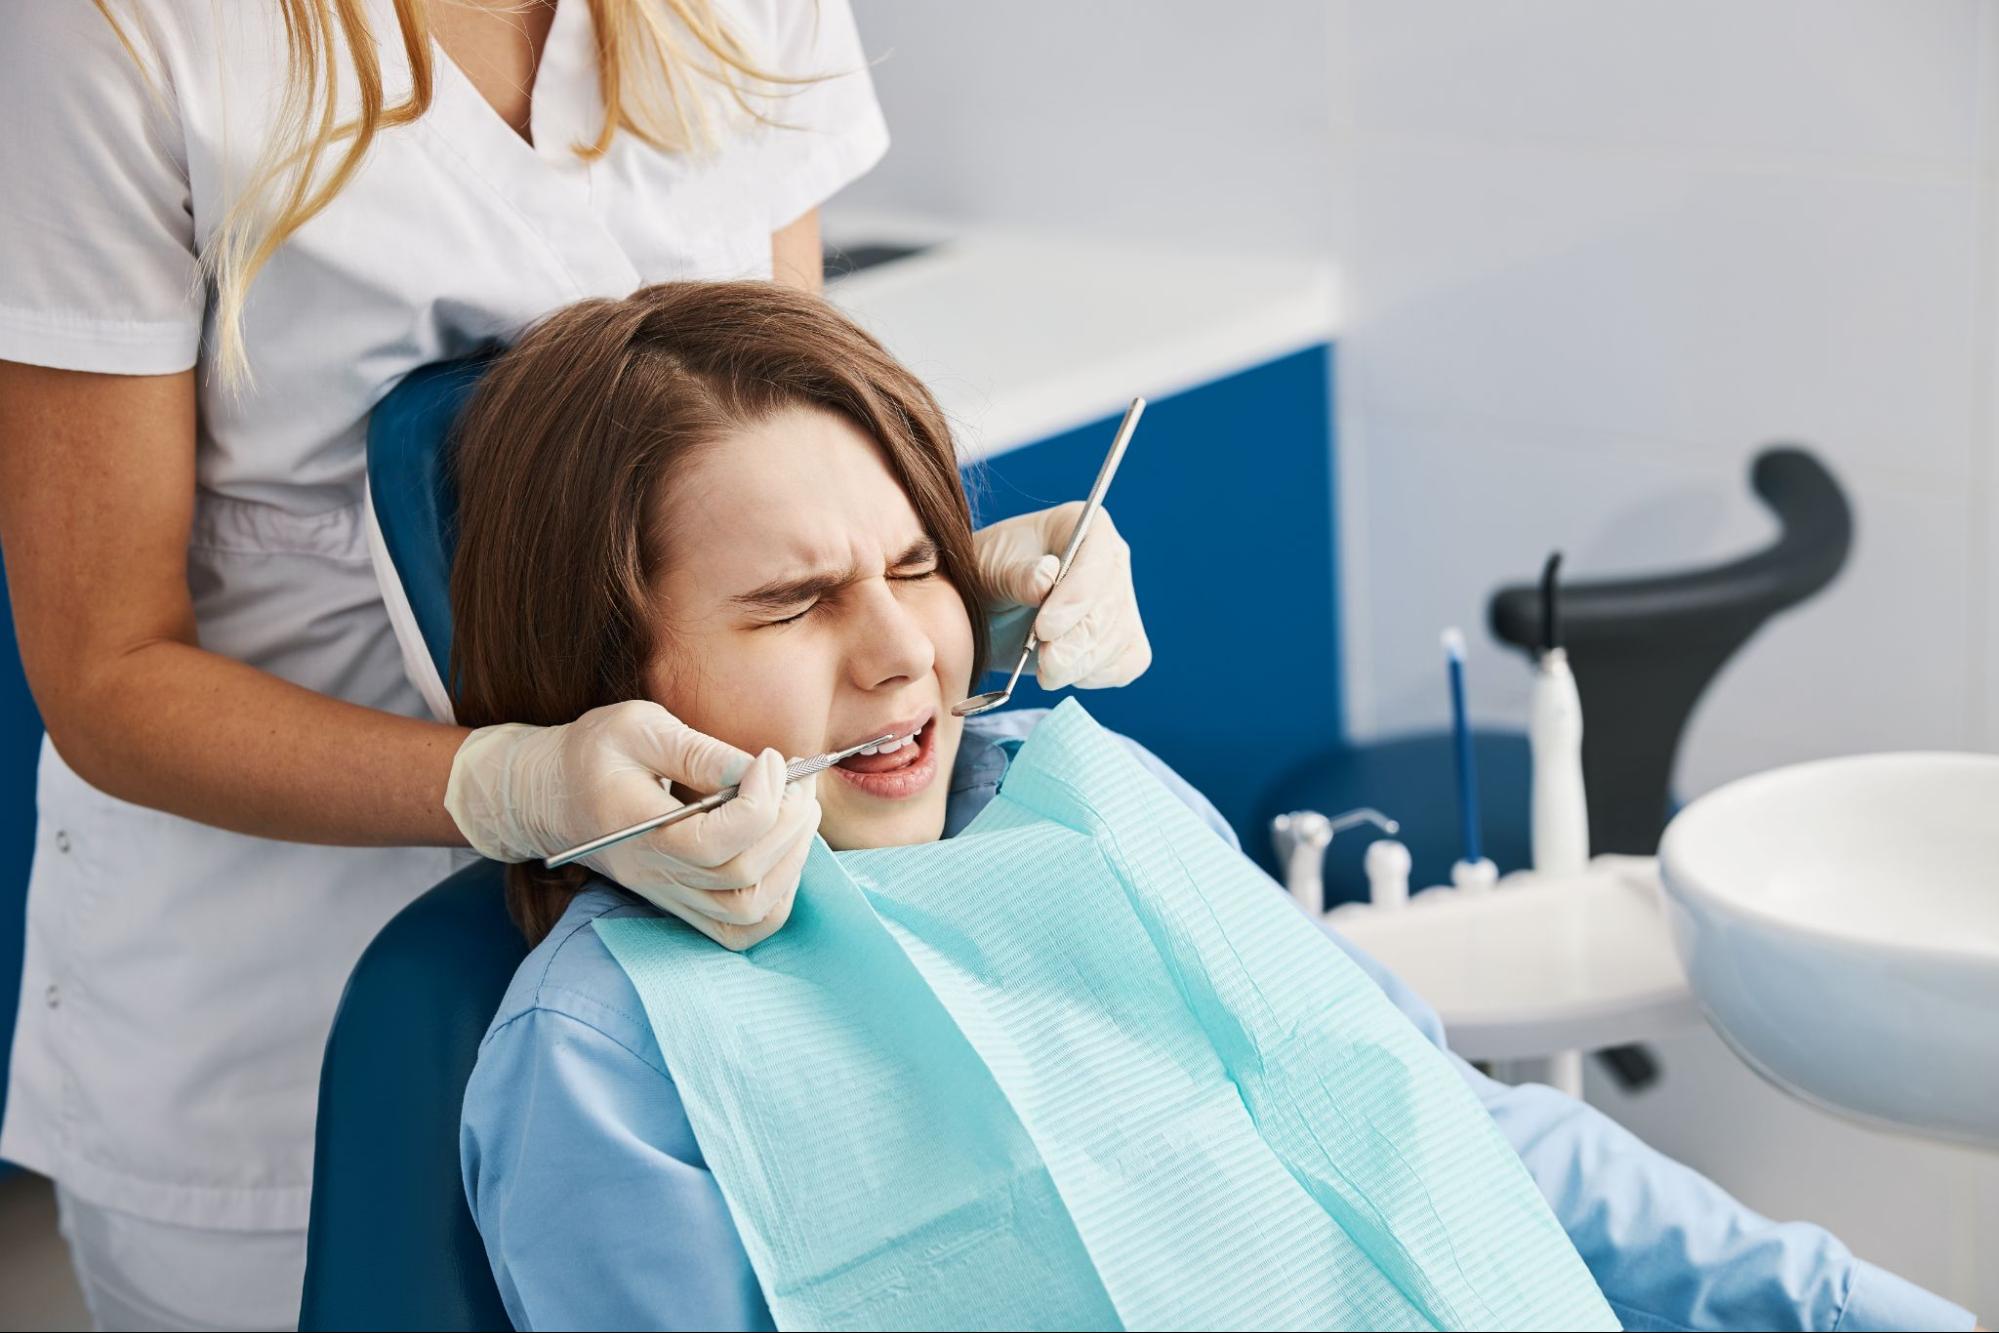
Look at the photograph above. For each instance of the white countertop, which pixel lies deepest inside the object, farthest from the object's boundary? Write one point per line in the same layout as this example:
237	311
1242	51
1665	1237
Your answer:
1023	335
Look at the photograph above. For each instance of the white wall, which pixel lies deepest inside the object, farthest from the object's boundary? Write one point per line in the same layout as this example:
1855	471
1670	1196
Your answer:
1124	116
1599	252
1594	253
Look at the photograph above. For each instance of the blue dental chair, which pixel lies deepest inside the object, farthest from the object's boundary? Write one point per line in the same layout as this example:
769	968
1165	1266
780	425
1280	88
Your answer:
391	1242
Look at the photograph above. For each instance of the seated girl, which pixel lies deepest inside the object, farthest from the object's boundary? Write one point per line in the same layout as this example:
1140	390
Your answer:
729	500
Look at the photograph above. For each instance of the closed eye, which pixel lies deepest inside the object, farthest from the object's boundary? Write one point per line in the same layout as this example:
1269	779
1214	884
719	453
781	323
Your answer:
913	577
791	620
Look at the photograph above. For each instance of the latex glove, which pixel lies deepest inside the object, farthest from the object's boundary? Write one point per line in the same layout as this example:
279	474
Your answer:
1090	632
522	793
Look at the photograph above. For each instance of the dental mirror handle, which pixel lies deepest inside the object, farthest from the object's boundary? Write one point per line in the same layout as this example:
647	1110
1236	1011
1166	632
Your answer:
1125	430
616	836
1082	529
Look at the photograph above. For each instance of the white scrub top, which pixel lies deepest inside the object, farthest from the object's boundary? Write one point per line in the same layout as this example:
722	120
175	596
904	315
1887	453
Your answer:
180	980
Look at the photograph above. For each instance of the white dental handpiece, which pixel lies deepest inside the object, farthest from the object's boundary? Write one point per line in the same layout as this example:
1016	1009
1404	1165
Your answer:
1559	809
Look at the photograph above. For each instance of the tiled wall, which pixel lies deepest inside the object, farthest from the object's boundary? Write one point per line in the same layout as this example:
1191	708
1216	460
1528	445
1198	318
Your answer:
1594	253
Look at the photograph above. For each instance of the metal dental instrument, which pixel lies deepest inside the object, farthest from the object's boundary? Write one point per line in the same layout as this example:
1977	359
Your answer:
991	699
793	771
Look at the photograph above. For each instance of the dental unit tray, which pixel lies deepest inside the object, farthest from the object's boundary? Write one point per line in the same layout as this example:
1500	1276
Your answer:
1541	964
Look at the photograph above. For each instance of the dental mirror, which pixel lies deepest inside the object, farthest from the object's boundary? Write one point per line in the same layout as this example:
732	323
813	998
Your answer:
991	699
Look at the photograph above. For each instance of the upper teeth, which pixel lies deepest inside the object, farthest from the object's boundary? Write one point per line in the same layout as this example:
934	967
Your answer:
887	747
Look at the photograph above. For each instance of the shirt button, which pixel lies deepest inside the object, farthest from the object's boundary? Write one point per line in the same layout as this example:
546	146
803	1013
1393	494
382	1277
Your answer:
62	841
53	996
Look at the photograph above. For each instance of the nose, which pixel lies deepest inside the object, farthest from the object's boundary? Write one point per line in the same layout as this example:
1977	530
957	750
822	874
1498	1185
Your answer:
888	644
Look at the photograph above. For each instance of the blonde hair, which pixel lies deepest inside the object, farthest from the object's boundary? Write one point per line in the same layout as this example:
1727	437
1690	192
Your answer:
650	77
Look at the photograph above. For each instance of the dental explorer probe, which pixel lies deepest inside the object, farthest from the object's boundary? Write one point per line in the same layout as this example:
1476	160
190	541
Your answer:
991	699
793	771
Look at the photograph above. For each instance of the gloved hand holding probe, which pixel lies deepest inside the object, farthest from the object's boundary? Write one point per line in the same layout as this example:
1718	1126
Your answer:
522	793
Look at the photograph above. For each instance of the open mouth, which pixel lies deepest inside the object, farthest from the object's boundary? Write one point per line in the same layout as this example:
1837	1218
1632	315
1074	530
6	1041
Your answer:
899	772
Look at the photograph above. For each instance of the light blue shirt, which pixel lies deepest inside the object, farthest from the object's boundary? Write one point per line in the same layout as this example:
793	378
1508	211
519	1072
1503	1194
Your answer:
598	1211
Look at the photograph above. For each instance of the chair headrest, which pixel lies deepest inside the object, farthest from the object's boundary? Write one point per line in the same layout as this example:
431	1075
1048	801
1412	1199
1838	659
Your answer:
413	513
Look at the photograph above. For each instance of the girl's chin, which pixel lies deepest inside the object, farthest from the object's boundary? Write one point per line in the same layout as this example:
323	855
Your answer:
853	831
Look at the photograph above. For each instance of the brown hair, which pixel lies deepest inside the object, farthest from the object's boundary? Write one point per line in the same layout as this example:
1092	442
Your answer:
561	458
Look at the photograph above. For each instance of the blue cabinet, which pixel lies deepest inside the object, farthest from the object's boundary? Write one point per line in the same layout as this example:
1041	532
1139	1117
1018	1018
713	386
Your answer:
1227	498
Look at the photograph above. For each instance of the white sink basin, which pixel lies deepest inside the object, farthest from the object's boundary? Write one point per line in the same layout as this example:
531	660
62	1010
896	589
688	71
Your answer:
1839	922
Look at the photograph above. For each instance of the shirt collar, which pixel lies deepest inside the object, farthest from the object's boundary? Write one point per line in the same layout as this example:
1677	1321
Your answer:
975	778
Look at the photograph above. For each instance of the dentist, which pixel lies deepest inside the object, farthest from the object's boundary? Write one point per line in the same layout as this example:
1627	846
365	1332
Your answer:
225	233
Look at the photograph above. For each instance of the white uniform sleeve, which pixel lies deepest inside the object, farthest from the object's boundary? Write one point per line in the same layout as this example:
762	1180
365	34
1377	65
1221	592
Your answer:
829	132
97	257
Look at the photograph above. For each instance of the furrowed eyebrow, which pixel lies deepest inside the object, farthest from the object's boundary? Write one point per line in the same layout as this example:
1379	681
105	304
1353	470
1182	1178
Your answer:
781	593
787	592
922	551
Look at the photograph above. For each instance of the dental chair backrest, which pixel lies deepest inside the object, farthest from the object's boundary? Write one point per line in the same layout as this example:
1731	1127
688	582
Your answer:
391	1242
1643	650
413	508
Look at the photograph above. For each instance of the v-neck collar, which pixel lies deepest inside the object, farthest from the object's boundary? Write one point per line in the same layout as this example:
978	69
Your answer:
545	183
566	106
565	78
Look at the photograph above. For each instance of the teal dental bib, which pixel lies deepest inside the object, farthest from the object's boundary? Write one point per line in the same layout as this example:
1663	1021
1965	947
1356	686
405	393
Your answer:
1082	1066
